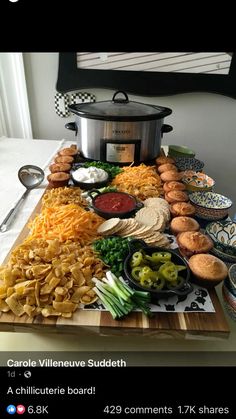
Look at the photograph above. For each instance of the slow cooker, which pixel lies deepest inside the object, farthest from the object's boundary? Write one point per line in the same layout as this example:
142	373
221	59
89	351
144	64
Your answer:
119	130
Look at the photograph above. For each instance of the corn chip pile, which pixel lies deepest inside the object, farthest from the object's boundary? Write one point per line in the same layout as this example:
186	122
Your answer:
48	278
51	272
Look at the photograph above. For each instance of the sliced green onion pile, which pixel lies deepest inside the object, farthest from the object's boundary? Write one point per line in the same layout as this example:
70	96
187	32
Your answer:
118	298
112	251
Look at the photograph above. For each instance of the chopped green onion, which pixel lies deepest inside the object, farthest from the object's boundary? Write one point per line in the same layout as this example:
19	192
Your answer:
118	298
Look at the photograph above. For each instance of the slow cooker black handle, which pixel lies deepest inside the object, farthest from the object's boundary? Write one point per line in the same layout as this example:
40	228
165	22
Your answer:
126	100
72	126
166	128
188	287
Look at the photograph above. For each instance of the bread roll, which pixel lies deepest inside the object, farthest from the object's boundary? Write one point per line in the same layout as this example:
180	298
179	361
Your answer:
165	167
176	196
60	167
58	179
70	151
191	242
171	175
173	186
208	268
181	224
163	160
64	159
182	208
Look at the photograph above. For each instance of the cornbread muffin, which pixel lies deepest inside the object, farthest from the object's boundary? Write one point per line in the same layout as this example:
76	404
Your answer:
64	159
74	147
163	160
58	179
176	196
60	167
165	167
182	208
207	269
173	186
181	224
70	151
191	242
171	175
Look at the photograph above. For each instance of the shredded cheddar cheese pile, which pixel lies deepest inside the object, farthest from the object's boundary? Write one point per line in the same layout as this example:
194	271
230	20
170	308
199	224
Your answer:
66	222
141	181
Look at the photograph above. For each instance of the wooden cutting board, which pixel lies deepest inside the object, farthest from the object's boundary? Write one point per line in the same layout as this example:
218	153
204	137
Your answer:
176	325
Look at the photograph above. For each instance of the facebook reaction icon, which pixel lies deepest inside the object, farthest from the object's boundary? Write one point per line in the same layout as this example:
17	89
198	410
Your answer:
11	409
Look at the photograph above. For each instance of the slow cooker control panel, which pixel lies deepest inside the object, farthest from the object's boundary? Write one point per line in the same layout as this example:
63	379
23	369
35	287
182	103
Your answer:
120	151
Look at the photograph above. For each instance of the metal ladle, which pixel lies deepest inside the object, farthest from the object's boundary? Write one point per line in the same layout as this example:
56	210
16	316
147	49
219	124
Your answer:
30	176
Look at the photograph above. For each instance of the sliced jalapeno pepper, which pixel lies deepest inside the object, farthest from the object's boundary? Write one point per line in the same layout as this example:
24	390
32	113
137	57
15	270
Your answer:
136	259
168	271
161	257
135	273
180	267
145	272
158	282
146	282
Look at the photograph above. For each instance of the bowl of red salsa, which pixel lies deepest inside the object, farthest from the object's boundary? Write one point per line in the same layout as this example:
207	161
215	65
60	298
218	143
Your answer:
114	204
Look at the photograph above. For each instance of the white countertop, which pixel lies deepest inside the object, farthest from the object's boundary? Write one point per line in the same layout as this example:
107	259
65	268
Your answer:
15	153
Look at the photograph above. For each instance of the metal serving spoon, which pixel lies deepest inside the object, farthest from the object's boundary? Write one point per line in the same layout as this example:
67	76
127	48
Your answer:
31	177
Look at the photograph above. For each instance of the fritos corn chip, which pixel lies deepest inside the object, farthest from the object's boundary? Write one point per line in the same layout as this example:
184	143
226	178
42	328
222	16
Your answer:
49	278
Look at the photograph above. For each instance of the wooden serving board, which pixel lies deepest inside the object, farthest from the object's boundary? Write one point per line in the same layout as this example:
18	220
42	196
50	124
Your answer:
175	325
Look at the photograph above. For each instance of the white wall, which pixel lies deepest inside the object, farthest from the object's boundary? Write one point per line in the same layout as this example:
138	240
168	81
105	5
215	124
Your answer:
204	122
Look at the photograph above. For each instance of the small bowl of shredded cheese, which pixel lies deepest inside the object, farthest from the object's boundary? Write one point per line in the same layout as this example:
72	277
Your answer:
90	177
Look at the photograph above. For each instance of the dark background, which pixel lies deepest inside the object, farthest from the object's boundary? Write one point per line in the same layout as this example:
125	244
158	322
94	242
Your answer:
72	25
131	386
48	26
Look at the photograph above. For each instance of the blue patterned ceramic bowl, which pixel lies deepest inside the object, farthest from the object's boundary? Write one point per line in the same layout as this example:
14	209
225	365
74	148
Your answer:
229	297
210	205
232	276
231	311
223	235
223	256
230	291
189	163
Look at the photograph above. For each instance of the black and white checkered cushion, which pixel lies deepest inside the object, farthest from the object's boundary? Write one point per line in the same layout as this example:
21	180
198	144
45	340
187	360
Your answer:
81	97
62	100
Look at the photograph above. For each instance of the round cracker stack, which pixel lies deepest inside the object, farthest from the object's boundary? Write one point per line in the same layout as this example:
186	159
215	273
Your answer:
109	227
146	216
131	227
161	206
151	216
156	203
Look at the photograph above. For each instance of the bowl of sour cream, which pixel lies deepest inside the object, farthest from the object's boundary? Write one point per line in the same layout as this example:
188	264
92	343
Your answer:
90	177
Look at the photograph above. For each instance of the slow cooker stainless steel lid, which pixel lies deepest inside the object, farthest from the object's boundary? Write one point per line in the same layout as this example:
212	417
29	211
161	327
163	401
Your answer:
120	109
